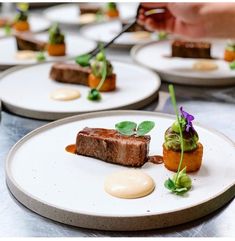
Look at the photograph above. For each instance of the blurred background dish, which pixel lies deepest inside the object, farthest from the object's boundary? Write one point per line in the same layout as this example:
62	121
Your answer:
84	13
185	70
76	45
37	24
136	87
104	32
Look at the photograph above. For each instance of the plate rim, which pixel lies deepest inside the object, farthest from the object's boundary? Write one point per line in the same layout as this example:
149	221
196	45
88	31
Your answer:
229	81
226	194
45	115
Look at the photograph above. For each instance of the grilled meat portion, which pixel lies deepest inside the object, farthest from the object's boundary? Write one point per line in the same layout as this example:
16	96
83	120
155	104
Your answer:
191	49
70	73
26	41
110	146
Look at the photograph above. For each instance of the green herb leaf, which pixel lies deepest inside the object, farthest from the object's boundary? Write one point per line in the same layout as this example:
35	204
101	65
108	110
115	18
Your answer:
94	95
162	35
232	65
145	127
126	127
180	191
169	184
83	60
7	30
40	57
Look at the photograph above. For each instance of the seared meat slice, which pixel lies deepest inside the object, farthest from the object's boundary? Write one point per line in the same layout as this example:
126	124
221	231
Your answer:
110	146
191	49
70	73
26	41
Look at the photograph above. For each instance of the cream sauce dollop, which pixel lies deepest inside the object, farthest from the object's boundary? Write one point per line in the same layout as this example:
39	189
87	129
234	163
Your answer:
129	184
141	35
87	18
65	94
25	55
205	65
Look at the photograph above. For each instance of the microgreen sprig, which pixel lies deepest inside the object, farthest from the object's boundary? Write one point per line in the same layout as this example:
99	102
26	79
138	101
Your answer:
129	128
7	29
40	57
175	185
94	93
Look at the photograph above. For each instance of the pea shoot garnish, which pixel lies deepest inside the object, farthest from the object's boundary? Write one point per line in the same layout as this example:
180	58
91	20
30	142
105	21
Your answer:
83	60
232	65
94	93
7	29
129	128
162	35
40	57
181	182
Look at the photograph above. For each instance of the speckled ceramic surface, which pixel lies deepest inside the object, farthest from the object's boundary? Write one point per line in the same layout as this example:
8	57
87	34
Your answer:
69	188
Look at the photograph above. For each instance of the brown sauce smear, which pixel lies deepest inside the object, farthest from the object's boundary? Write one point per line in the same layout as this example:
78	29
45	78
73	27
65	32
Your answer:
71	148
157	159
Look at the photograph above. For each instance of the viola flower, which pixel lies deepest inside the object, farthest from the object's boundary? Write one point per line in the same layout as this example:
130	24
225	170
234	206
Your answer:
189	118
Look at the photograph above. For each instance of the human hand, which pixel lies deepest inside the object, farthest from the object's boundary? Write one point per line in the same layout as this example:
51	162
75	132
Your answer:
193	20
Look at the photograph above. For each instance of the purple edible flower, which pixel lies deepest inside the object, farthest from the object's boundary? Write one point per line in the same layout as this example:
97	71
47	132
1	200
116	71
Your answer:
189	118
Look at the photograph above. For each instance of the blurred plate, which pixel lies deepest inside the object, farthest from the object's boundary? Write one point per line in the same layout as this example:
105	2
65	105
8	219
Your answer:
71	13
75	46
179	70
70	188
26	91
104	32
37	24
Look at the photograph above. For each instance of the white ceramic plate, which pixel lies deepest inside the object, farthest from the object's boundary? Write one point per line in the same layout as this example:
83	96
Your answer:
69	188
136	87
37	24
179	70
104	32
71	13
75	45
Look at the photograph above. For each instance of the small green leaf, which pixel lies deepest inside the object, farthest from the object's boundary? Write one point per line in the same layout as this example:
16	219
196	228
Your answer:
83	60
40	57
232	65
169	184
145	127
126	128
162	35
7	30
94	95
180	190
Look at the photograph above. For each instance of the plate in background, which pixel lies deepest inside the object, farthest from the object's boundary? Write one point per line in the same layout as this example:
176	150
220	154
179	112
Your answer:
104	32
71	12
75	45
155	56
37	24
136	87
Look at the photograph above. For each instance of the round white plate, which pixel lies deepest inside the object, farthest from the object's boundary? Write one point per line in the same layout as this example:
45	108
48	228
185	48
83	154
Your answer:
179	70
70	188
71	13
37	24
75	45
136	87
104	32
